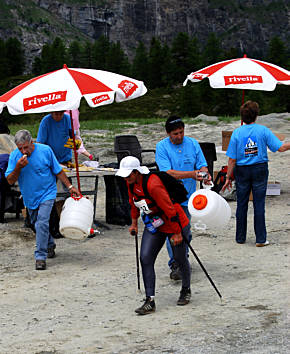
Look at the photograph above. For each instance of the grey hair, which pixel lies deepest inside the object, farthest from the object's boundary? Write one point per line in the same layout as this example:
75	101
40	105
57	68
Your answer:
22	136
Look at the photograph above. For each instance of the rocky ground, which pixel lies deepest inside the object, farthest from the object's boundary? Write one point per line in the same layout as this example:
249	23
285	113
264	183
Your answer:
84	302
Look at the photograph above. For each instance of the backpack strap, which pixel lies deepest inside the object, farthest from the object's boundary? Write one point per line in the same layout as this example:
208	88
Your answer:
145	195
144	185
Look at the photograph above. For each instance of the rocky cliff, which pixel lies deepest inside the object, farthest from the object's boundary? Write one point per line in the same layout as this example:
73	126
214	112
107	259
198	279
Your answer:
244	24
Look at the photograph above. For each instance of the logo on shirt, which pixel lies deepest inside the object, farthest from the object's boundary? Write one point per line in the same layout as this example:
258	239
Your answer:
243	79
251	148
43	100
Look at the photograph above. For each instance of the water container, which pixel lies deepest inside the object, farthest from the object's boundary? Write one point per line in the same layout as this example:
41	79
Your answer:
208	209
148	224
76	218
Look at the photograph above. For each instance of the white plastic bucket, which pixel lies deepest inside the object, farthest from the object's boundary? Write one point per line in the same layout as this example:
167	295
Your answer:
76	218
208	209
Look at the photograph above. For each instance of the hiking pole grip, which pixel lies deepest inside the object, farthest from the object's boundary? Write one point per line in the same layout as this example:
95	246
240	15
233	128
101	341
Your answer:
133	233
199	262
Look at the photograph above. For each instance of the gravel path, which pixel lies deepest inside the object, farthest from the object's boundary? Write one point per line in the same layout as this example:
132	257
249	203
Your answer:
84	302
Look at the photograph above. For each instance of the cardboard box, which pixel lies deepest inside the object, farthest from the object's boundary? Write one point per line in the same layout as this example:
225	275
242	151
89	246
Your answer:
281	137
273	188
251	196
226	136
214	175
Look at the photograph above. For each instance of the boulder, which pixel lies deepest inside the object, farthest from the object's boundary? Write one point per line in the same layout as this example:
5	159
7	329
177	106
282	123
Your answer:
7	144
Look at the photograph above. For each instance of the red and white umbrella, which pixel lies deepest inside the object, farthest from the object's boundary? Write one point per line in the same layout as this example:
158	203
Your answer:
242	73
63	89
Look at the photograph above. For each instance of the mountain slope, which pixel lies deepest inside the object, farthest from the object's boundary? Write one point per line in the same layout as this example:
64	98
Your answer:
244	24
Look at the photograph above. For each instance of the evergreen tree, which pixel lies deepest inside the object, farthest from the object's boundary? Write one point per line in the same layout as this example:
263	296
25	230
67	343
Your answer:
212	51
75	55
14	57
46	59
37	66
190	100
126	66
185	56
140	63
231	53
59	54
3	60
87	57
167	73
195	55
277	53
155	63
211	54
116	60
53	56
100	52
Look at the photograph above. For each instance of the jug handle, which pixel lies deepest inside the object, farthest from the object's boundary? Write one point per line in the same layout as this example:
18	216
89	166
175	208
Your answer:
199	226
76	197
207	186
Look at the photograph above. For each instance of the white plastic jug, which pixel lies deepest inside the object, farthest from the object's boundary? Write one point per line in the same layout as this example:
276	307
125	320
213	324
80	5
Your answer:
208	209
76	218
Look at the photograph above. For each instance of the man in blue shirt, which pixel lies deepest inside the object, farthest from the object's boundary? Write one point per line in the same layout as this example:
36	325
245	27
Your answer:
36	168
248	160
181	157
54	130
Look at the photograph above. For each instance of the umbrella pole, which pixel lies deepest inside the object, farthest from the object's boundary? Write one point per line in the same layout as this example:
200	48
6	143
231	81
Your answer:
243	101
75	152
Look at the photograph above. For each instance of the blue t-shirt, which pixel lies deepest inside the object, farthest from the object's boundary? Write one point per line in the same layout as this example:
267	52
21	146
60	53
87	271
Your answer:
55	134
187	156
37	179
248	144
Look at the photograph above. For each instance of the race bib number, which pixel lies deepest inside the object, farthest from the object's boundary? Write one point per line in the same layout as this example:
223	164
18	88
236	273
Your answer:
143	206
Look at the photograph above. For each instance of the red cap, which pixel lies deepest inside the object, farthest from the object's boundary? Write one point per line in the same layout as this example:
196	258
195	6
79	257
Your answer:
199	201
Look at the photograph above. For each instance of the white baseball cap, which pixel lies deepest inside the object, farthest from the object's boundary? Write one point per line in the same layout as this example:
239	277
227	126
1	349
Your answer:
128	164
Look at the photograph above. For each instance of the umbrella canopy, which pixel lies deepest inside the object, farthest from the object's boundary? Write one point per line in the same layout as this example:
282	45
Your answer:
242	73
63	89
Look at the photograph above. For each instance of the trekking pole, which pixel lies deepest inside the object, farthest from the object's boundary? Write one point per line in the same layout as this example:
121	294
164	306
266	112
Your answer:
133	233
199	262
202	267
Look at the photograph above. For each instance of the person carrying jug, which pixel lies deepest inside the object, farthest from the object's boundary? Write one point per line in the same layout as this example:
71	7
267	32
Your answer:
181	157
36	168
173	223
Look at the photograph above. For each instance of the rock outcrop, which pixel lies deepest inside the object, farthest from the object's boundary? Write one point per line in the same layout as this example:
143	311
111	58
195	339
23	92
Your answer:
248	25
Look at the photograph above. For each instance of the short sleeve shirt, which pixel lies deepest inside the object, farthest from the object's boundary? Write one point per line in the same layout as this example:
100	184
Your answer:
187	156
248	144
37	180
55	135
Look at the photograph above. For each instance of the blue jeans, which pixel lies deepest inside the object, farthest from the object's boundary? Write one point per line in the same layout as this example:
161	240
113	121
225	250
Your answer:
168	244
40	219
150	247
251	177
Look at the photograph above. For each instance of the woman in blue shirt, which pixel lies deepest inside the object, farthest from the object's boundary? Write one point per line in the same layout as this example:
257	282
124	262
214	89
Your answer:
248	160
